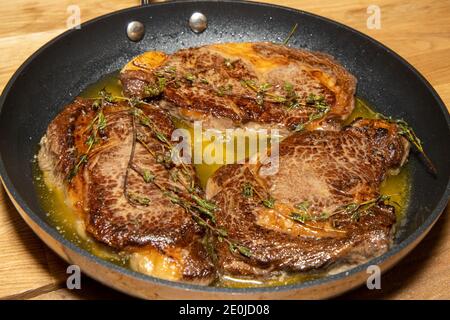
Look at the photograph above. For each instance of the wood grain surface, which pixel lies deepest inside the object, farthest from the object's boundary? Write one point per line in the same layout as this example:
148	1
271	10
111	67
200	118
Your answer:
418	30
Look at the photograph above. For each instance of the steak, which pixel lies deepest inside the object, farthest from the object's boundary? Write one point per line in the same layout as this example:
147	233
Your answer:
114	164
322	210
237	84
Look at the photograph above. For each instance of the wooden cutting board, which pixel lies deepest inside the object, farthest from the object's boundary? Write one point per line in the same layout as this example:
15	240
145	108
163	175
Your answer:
418	30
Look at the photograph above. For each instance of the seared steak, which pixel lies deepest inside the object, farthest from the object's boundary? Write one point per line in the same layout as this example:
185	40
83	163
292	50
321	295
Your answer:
116	167
306	216
320	212
241	83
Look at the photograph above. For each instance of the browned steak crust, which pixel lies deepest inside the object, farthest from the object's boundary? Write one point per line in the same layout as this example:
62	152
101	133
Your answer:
248	82
328	170
150	219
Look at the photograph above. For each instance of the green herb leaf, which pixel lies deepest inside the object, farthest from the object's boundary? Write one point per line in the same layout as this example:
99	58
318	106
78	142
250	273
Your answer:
247	190
246	252
222	232
269	202
304	206
300	217
138	199
204	203
291	33
107	96
101	122
223	90
148	176
190	77
264	87
90	141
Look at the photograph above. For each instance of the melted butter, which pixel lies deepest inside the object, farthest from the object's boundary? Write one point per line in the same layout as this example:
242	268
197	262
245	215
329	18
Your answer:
69	224
67	221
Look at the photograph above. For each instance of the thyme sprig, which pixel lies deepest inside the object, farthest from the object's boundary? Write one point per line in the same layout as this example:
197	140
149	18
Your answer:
357	209
201	210
407	131
291	100
97	125
321	109
146	121
153	90
224	90
248	191
291	33
302	213
262	92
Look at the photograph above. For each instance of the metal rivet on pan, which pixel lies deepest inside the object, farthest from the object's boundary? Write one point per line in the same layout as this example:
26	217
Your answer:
198	22
135	30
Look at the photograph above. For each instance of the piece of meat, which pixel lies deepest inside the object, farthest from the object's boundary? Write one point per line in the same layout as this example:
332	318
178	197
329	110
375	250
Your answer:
322	175
241	83
120	198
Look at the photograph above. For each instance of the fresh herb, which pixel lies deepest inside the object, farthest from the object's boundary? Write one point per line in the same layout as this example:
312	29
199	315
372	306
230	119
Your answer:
247	190
105	95
138	199
170	69
74	170
301	214
246	252
190	77
224	90
146	121
155	89
264	87
148	176
269	202
208	205
321	109
291	99
199	208
97	125
291	33
356	209
260	90
208	244
303	206
406	130
300	217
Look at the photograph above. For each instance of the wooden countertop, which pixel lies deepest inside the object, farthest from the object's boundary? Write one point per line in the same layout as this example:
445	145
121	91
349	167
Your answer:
416	29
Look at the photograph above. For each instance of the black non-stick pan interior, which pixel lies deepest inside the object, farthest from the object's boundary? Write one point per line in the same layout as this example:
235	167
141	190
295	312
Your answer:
53	76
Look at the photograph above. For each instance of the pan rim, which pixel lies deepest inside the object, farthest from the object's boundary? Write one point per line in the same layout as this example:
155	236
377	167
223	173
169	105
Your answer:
52	232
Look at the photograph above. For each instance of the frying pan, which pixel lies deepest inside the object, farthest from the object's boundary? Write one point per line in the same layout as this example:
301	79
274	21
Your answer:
61	69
